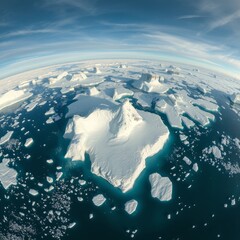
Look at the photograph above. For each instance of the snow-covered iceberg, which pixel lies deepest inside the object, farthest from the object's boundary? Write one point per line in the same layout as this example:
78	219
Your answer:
106	134
150	83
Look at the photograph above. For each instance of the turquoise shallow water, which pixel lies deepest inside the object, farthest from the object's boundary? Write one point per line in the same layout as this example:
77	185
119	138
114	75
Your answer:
199	205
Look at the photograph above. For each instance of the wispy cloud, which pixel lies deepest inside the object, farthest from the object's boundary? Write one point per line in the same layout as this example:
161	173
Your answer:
224	20
189	17
86	6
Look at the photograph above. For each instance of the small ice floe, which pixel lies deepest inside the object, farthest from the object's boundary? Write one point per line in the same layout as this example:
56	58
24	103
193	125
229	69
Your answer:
33	192
28	142
98	200
131	206
187	160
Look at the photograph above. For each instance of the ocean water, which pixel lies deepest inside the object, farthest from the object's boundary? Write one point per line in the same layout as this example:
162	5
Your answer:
196	213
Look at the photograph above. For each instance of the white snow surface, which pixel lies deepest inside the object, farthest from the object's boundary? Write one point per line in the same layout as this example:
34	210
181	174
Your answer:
161	187
137	134
12	97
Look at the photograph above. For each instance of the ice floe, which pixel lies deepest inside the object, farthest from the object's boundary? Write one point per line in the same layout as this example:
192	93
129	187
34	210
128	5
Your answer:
98	200
131	206
161	187
7	175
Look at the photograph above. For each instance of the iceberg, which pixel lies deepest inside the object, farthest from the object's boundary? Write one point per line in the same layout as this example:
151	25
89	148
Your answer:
137	134
8	176
161	187
98	200
150	83
6	137
131	206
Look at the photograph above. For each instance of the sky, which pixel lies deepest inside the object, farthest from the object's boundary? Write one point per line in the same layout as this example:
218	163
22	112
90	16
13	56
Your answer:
38	33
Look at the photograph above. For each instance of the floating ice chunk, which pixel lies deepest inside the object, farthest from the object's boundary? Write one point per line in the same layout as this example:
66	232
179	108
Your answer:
161	187
51	111
7	175
187	160
49	161
98	200
78	77
183	137
195	167
233	202
13	96
31	106
58	78
59	175
6	137
131	206
82	182
138	134
71	225
173	116
28	142
33	192
235	98
216	152
150	83
49	120
50	180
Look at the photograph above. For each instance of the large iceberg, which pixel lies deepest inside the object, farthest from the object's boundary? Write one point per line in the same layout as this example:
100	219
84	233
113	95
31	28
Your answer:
117	140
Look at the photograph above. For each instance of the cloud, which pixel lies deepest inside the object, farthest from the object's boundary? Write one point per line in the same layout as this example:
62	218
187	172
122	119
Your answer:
86	6
189	17
224	20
